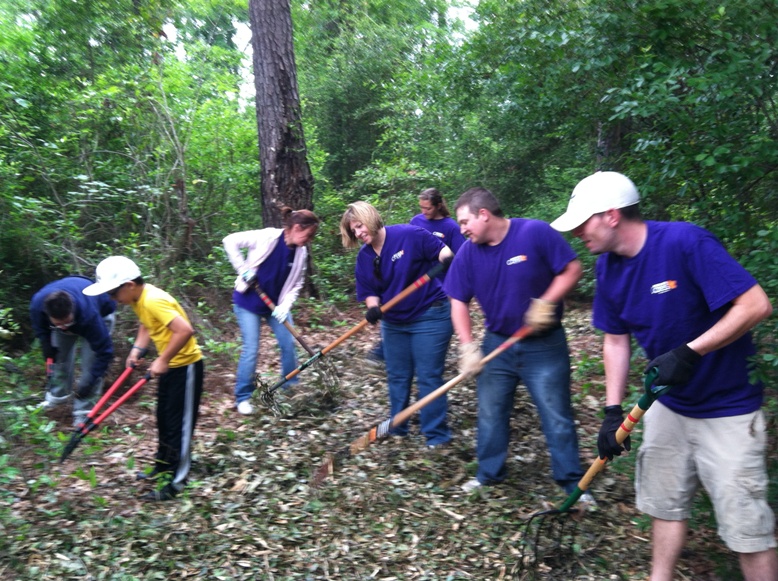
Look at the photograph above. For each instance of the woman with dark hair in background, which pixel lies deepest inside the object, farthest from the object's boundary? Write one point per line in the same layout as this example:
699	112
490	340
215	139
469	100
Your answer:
436	218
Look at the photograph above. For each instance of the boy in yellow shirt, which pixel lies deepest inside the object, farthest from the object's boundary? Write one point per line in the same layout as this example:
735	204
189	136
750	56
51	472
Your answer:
178	365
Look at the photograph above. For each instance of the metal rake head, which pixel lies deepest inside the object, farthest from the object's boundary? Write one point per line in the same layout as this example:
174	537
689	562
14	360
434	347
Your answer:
547	546
266	394
324	376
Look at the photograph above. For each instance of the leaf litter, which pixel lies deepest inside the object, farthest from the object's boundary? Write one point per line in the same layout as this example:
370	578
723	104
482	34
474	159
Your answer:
394	511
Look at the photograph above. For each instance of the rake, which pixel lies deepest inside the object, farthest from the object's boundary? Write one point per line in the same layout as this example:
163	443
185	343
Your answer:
381	430
267	394
91	422
555	529
330	377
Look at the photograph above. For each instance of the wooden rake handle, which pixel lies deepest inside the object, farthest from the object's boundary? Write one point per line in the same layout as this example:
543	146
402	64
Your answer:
381	430
418	283
295	333
625	429
403	415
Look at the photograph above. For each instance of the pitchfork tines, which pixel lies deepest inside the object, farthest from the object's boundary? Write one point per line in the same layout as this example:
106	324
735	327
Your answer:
546	545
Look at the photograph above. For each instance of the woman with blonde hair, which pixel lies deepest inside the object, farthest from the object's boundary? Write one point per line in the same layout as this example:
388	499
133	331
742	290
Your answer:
273	259
415	332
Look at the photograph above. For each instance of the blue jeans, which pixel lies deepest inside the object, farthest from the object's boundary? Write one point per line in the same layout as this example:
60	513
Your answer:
419	348
250	324
543	364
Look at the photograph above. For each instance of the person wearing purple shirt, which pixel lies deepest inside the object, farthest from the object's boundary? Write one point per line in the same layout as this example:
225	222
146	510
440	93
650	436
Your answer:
65	321
691	307
519	270
416	331
273	259
436	218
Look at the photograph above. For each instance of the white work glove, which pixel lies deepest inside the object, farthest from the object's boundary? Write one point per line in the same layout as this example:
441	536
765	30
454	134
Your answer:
541	315
470	359
280	313
248	276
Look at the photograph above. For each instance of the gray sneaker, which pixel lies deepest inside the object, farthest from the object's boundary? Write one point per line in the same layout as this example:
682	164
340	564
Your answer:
51	401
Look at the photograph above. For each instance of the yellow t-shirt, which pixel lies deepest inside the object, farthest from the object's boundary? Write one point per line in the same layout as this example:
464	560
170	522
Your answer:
156	309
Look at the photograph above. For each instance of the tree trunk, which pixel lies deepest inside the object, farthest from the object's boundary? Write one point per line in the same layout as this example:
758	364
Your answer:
286	177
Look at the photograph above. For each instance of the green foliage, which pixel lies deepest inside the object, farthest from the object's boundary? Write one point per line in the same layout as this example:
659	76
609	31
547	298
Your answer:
762	262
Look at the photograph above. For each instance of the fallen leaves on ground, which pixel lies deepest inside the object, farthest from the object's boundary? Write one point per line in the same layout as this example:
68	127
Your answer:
393	511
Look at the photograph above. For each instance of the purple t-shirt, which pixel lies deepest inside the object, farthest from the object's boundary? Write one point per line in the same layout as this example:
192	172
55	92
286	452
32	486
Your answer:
408	253
505	277
677	287
444	228
271	276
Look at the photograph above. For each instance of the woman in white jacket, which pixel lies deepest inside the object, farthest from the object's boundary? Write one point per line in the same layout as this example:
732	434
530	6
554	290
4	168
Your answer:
275	260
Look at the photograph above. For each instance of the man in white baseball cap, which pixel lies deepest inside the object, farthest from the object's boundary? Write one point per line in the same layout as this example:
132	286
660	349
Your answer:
600	192
690	305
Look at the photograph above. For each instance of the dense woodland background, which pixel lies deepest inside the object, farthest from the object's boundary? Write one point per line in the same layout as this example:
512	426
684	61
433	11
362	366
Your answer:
129	127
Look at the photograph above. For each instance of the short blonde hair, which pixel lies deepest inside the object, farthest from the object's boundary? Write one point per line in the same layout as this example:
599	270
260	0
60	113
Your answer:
359	212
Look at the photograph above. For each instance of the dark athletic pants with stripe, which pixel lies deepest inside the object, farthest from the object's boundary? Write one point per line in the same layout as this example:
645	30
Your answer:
178	402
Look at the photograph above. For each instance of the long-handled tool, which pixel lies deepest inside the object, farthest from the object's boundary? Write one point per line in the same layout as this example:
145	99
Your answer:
266	393
381	430
91	422
330	375
555	526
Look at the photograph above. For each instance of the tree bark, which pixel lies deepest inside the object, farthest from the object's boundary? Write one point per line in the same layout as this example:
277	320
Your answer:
286	178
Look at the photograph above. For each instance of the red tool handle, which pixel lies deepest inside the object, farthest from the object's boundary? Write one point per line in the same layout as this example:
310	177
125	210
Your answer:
128	394
106	396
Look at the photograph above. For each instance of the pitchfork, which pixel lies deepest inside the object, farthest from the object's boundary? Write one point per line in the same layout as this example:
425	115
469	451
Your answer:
555	526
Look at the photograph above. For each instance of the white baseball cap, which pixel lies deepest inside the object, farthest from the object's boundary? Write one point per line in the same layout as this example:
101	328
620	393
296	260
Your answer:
112	273
600	192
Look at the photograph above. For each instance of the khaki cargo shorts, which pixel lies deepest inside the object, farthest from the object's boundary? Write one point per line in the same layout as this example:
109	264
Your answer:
724	455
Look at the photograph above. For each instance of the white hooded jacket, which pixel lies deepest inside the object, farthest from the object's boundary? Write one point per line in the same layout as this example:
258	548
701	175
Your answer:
259	244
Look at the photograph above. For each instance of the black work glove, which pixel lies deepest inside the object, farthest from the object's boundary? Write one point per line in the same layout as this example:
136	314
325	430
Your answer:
676	366
49	352
446	262
373	315
607	446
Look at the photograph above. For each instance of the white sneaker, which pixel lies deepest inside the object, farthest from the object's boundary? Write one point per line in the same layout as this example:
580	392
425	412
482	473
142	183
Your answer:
245	408
471	485
587	501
